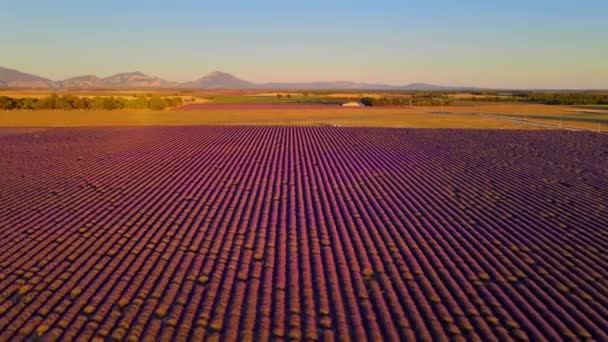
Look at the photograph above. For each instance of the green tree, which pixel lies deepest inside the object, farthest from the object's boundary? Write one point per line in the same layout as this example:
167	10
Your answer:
27	103
139	102
368	101
157	103
83	103
97	103
111	103
65	102
48	102
7	103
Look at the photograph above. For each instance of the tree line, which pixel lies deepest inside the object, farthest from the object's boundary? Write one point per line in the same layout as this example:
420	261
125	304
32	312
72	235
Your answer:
71	102
495	99
438	99
416	100
548	98
568	98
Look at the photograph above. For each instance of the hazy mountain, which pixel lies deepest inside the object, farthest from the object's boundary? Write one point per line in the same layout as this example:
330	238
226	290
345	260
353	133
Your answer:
222	80
18	79
135	80
218	80
325	85
88	81
122	80
358	86
425	86
214	80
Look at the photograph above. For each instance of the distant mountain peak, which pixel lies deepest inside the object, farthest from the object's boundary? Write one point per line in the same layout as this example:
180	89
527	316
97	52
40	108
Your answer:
83	77
131	73
213	80
134	80
128	74
18	79
219	80
85	81
218	73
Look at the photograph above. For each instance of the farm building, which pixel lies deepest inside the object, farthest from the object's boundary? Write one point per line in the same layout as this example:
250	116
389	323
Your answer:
353	104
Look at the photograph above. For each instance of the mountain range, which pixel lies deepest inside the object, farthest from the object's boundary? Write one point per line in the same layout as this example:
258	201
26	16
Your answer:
215	80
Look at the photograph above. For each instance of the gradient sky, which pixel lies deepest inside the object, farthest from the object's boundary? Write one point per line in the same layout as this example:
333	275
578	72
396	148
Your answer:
525	44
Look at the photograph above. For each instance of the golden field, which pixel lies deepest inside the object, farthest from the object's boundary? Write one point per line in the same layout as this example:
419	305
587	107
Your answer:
455	116
420	117
578	117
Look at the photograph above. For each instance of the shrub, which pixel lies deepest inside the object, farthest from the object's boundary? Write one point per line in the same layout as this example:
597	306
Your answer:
123	303
512	325
484	276
42	329
75	293
160	312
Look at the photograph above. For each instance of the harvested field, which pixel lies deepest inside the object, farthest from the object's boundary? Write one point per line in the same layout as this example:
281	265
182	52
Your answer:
240	233
555	115
257	106
420	117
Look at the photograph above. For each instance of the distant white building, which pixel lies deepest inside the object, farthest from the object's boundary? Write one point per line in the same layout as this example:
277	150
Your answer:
353	104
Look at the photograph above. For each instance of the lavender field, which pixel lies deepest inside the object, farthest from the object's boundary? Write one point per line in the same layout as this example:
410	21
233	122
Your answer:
317	233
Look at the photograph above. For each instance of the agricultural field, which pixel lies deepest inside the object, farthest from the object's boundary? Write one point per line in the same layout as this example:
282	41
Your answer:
580	117
250	107
318	233
577	117
279	98
274	114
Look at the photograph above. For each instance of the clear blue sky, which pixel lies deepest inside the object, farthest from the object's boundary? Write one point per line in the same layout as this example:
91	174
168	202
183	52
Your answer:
552	44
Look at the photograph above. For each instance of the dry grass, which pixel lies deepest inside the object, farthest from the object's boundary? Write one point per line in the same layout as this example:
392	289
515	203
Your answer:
498	108
570	116
374	95
419	117
590	110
